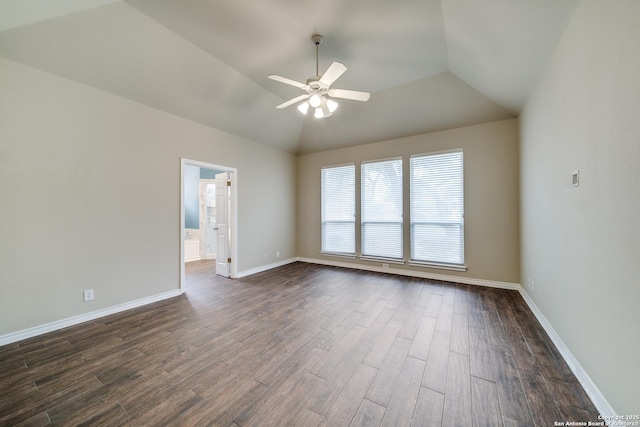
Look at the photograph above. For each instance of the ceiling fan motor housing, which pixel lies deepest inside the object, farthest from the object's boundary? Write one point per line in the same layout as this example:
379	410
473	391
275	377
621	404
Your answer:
315	86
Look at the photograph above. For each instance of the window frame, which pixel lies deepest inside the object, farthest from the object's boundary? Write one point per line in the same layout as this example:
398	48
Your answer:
363	223
407	235
461	222
324	222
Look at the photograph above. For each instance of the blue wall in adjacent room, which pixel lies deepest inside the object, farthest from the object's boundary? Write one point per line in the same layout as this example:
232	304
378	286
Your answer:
191	196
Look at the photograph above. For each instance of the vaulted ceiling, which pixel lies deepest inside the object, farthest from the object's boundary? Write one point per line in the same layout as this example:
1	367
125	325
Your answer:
429	64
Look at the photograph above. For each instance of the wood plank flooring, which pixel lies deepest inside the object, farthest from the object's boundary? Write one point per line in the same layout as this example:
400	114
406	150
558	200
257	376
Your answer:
300	345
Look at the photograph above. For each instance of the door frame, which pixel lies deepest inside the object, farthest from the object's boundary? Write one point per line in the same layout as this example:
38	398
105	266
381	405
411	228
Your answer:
233	214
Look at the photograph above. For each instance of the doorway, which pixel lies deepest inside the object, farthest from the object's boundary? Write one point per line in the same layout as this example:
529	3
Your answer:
228	245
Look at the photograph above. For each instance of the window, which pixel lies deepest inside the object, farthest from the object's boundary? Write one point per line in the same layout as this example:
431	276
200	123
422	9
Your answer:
437	214
382	209
339	209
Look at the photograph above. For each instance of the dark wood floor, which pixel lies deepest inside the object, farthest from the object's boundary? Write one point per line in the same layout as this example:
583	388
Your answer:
301	345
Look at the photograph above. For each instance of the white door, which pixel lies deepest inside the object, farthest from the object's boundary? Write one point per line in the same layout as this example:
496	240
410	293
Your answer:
211	236
222	224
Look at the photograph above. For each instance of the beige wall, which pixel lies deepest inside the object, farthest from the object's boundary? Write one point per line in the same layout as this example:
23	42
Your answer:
491	194
90	198
581	245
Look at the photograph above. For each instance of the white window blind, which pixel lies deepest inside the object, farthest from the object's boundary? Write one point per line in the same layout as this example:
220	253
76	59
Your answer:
381	209
437	208
339	209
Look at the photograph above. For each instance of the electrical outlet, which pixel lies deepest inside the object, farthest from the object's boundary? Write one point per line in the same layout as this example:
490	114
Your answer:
533	286
277	254
264	255
87	295
385	265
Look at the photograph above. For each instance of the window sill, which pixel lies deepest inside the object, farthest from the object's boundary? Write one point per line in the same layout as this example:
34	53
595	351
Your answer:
396	261
452	267
382	259
339	255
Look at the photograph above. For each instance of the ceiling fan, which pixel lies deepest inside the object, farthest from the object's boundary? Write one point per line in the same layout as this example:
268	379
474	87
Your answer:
318	88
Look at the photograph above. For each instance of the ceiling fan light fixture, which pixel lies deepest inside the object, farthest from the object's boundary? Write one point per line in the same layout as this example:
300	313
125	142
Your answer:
332	105
318	113
326	112
315	100
304	107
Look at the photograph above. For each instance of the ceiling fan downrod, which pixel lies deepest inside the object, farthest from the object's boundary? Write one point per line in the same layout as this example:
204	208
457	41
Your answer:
317	39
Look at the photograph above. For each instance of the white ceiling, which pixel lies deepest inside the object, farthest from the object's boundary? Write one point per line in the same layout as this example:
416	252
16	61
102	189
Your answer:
429	64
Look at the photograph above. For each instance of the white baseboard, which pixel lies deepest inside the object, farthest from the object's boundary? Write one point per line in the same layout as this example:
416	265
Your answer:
265	267
414	273
71	321
598	399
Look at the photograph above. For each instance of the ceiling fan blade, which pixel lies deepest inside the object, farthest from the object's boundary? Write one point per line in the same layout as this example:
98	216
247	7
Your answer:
334	71
354	95
288	81
293	101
